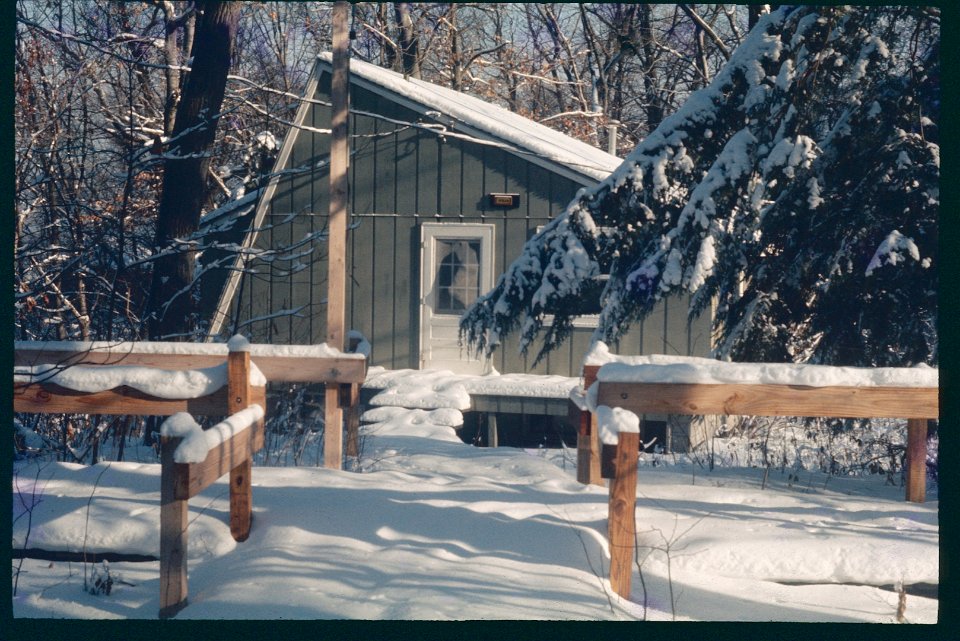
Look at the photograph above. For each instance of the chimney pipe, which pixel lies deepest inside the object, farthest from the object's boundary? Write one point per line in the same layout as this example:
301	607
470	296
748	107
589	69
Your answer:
612	137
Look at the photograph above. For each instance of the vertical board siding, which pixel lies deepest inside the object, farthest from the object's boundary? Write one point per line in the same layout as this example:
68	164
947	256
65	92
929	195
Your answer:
406	323
384	290
385	180
289	263
450	164
407	178
401	177
472	180
653	332
405	154
674	328
409	352
510	231
320	119
428	174
362	255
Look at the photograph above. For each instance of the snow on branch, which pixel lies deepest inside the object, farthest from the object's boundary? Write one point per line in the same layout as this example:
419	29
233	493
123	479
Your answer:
891	251
767	185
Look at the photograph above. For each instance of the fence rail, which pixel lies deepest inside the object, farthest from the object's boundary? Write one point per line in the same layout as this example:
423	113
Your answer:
771	400
46	398
916	404
296	364
181	481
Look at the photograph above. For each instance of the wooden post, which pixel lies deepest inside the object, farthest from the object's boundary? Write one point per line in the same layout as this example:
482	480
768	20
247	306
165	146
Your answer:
173	535
595	477
916	460
332	429
493	436
588	437
353	420
621	521
337	245
353	408
241	489
608	461
582	419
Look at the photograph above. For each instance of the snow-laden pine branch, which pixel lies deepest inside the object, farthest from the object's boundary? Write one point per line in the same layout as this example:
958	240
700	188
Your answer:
766	194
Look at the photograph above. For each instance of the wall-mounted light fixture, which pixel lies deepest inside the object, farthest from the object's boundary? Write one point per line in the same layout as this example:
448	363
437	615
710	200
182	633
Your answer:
507	201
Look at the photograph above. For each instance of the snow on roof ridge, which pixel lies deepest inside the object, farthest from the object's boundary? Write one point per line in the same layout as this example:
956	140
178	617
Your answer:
491	119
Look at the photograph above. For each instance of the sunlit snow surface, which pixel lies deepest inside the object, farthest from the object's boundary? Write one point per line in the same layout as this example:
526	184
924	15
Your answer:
433	528
660	368
433	389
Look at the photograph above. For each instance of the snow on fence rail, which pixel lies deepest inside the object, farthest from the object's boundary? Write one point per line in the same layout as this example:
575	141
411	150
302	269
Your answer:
197	443
180	380
620	388
278	363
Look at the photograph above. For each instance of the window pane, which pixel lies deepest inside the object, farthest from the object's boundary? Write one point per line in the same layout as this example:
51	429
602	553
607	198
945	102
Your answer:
458	274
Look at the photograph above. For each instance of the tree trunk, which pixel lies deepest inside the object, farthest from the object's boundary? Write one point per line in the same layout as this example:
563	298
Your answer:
701	59
456	53
653	108
409	42
388	48
170	306
172	72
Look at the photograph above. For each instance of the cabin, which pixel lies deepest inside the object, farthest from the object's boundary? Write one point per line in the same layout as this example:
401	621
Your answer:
445	189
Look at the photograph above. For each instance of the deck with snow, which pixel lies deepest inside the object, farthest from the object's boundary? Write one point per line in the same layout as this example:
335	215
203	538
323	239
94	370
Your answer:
492	397
495	393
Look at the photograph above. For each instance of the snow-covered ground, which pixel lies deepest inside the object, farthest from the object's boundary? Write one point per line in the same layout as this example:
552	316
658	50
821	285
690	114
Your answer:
432	528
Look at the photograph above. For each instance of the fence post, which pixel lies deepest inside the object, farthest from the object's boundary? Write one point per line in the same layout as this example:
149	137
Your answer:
493	433
241	490
588	439
173	535
584	427
350	399
916	462
621	521
337	224
332	428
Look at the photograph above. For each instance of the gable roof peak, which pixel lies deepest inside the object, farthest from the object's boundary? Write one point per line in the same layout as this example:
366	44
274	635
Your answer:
473	115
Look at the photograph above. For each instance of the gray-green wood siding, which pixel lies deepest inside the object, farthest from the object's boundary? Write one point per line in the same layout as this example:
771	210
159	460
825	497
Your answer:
401	177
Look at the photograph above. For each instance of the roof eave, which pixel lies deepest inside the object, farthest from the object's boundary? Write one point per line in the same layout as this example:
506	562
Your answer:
583	175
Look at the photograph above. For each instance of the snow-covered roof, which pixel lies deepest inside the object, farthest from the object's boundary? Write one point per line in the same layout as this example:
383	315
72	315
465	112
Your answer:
477	117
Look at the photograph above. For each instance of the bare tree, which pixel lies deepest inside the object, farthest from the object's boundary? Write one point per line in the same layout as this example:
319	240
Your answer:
102	117
79	112
186	168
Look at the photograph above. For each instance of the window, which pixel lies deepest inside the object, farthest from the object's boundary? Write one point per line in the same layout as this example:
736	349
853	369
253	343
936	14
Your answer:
458	274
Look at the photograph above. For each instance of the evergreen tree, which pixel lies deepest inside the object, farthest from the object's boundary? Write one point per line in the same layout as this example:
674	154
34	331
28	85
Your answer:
797	193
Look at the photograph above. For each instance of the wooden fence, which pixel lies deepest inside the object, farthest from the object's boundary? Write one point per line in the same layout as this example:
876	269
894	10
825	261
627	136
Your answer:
181	481
916	404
